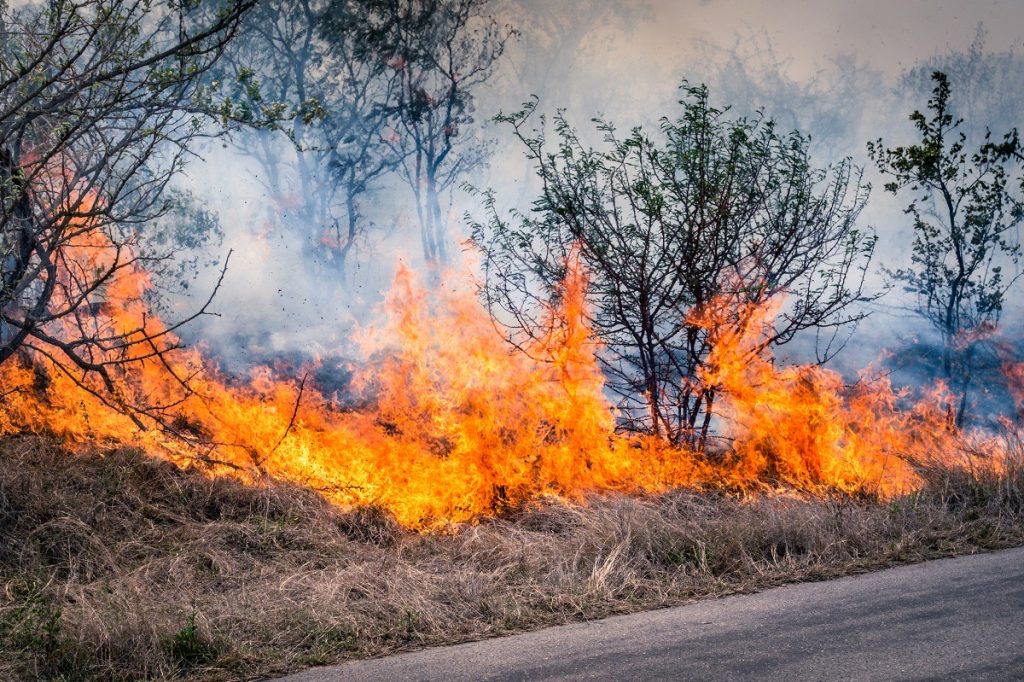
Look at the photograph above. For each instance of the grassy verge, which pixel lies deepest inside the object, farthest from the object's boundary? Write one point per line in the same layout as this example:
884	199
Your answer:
117	566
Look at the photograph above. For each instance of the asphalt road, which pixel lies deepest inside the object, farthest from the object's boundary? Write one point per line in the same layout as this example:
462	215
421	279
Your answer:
954	619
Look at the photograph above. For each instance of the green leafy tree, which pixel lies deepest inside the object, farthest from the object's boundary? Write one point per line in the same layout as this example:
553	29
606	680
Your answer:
965	216
712	209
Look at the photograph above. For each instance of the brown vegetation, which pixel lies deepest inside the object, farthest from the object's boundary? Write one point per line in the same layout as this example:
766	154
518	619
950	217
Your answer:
114	565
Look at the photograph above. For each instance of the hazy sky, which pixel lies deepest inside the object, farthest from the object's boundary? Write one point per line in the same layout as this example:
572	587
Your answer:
887	34
625	60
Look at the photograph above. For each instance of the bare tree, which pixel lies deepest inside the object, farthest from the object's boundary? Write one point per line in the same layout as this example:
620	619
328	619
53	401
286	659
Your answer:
442	51
555	39
828	106
100	101
334	101
712	211
966	219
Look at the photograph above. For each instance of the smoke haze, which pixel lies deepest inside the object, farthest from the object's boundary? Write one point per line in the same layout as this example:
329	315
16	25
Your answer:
845	73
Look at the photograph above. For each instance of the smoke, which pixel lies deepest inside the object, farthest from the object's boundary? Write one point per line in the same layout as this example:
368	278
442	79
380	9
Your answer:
842	73
281	293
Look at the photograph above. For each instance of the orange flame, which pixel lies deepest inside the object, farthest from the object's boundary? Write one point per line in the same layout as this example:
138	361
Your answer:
454	424
803	426
1014	372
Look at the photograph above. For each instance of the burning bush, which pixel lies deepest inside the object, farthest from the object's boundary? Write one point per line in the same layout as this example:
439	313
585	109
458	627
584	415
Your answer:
708	211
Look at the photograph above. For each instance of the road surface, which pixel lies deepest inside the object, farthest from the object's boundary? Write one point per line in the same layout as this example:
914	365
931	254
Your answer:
943	620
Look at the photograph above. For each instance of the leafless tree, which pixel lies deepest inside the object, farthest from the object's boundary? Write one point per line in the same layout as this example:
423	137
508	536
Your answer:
985	86
100	101
711	211
442	51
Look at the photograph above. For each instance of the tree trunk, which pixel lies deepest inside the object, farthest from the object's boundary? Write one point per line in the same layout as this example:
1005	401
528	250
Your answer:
437	227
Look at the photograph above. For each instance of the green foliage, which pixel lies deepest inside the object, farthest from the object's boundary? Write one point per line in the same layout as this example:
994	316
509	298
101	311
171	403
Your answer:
32	626
709	208
965	213
189	647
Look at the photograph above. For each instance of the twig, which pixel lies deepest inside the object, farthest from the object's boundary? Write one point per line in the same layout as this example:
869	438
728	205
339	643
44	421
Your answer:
295	413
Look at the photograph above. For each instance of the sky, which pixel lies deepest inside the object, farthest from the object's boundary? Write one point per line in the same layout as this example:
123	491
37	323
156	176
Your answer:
888	35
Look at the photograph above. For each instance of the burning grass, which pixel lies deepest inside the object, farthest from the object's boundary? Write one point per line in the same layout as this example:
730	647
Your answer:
449	424
116	565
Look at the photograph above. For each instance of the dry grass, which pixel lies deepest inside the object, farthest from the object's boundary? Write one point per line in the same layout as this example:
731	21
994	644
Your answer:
117	566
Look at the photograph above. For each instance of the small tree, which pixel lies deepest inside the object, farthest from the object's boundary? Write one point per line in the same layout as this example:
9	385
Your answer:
711	210
966	217
442	51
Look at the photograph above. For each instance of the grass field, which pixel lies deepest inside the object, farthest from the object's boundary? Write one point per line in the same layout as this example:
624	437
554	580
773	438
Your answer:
118	566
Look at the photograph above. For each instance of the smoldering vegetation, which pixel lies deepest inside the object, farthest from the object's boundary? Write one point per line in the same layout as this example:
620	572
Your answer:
125	567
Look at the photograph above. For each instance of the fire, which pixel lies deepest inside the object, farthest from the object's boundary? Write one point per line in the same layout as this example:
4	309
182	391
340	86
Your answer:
804	426
460	424
1014	372
450	424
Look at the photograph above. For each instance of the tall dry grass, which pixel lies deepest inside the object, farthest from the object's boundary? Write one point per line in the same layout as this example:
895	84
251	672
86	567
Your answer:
117	566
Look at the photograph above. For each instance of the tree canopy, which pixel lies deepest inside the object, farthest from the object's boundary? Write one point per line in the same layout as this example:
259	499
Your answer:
709	210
